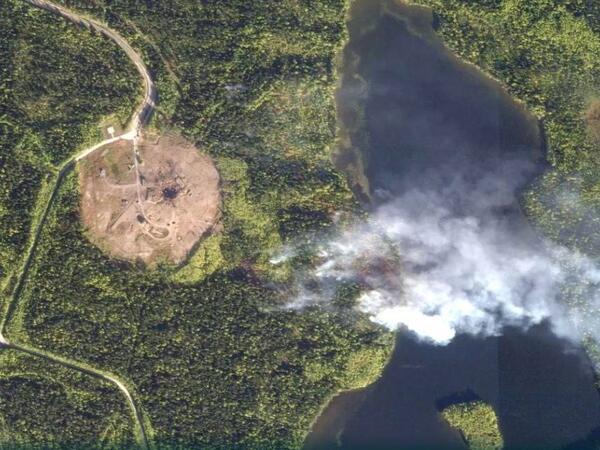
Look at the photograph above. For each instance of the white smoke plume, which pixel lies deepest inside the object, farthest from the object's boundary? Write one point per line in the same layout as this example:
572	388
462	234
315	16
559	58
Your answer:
456	259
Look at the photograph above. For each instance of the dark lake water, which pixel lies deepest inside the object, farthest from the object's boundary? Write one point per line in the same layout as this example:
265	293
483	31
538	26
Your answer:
429	119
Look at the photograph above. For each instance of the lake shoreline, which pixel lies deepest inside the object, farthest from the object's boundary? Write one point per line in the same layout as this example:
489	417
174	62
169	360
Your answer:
515	112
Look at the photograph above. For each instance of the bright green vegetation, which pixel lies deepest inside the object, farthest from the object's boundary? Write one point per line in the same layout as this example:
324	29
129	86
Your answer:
208	349
43	405
296	191
478	424
56	82
362	368
546	53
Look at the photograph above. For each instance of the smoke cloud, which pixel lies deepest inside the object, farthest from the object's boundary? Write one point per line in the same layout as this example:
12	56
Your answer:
456	256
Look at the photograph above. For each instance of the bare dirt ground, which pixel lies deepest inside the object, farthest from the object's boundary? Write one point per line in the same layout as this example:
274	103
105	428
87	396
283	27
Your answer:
592	117
153	209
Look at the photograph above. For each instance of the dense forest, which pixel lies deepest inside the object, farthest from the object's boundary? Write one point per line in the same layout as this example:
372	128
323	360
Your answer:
208	348
218	353
477	422
45	406
56	83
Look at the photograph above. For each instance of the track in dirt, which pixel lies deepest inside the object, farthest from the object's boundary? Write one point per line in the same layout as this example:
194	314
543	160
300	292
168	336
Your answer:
132	133
153	205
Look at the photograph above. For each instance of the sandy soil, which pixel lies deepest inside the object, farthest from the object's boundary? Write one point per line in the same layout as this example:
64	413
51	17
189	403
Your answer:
157	212
592	117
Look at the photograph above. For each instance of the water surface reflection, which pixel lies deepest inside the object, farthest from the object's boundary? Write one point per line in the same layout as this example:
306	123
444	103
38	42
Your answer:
430	119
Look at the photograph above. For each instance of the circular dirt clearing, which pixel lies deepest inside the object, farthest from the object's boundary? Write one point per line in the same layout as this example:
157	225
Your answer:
152	207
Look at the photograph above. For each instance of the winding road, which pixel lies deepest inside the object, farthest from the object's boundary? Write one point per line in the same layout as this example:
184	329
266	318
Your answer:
139	118
144	111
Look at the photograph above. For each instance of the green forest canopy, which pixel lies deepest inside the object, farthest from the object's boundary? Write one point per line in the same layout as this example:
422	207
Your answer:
213	359
207	349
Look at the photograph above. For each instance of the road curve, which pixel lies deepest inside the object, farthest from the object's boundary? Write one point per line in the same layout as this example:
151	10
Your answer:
144	111
140	118
141	437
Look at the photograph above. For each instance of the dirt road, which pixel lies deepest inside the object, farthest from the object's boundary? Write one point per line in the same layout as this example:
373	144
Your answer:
146	108
140	117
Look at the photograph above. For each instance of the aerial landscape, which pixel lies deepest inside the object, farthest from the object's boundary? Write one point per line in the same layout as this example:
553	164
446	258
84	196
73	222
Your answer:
300	224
